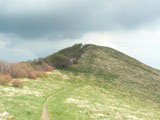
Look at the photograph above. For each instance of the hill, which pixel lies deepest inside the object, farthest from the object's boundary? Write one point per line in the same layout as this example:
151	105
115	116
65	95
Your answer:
125	71
128	73
91	83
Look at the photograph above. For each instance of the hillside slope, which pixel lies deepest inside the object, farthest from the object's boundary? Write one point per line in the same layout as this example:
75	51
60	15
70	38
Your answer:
131	88
129	72
96	83
126	71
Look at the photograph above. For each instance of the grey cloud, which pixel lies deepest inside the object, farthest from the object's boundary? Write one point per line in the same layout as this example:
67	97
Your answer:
78	18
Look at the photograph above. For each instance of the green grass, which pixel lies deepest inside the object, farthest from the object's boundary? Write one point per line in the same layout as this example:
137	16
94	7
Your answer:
97	98
82	96
26	103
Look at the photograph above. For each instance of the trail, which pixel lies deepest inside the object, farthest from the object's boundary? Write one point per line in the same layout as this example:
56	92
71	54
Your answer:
45	114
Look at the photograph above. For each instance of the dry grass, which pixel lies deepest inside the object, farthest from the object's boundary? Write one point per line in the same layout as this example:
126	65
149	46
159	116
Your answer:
5	79
17	83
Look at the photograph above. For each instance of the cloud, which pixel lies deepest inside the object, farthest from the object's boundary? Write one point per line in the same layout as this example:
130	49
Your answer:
14	48
2	44
97	38
72	18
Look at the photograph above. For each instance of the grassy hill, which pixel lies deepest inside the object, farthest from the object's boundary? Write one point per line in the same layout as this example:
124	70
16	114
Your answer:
109	63
129	73
92	83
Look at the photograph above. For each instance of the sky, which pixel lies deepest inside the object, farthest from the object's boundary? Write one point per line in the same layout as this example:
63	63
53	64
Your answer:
36	28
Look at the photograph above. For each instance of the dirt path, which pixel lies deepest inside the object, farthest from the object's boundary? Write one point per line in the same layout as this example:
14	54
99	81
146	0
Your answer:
45	114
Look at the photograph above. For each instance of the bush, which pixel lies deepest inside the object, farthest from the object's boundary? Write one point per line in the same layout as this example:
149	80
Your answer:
5	79
72	52
18	73
58	61
23	70
17	83
8	78
32	75
43	67
40	74
66	57
38	68
5	67
47	67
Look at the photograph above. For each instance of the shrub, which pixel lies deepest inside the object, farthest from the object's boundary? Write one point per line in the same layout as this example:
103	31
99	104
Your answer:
47	67
17	83
66	57
43	67
58	61
40	74
38	68
72	52
18	73
32	75
5	67
8	78
23	70
5	79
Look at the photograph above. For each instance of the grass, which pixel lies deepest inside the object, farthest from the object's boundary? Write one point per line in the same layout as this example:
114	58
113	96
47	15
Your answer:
26	103
91	99
84	96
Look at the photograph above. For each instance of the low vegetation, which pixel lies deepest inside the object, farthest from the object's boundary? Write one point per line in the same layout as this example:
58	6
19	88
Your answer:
92	97
80	96
5	79
10	71
25	103
17	83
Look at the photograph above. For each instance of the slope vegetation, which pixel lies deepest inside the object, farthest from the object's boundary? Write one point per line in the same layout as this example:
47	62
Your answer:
134	82
129	73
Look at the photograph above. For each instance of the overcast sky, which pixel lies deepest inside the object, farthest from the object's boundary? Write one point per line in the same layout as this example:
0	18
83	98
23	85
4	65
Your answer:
37	28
